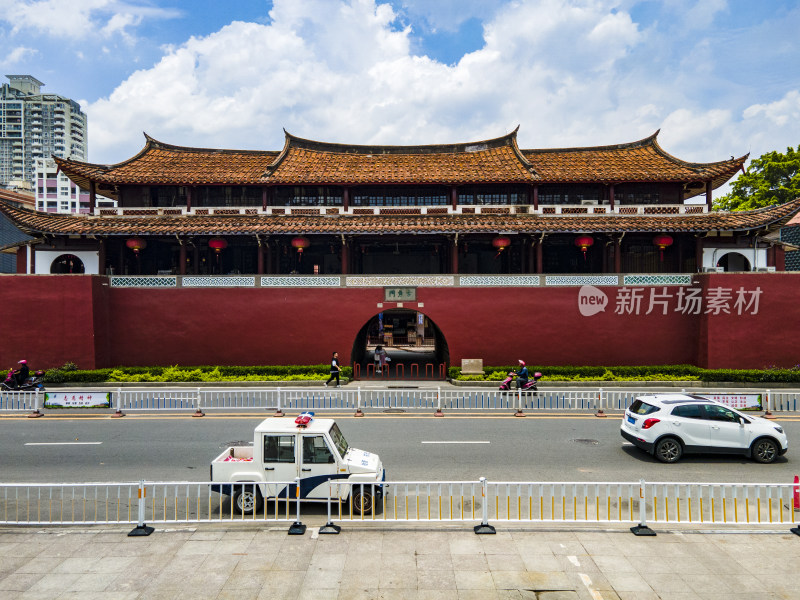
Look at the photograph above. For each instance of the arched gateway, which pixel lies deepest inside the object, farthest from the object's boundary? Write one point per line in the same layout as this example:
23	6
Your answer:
414	344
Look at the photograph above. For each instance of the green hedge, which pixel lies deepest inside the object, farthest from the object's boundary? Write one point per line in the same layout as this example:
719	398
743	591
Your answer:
645	373
201	373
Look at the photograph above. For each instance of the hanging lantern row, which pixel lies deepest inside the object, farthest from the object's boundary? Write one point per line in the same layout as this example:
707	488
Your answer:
136	244
584	242
662	241
501	242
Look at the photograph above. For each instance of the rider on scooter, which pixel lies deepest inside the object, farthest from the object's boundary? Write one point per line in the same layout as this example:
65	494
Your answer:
522	375
21	374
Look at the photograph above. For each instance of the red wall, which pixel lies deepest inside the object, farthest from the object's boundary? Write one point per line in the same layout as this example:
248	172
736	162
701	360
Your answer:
51	319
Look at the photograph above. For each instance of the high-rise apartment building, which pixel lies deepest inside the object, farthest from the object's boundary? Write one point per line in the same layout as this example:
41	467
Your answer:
35	126
56	193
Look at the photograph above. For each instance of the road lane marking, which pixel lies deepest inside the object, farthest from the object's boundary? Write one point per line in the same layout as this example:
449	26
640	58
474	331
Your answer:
456	442
63	443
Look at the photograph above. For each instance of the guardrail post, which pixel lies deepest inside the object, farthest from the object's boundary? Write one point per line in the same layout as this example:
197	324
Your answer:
359	412
519	412
484	527
297	527
438	412
278	411
642	528
141	529
35	414
599	412
768	414
199	412
329	527
119	412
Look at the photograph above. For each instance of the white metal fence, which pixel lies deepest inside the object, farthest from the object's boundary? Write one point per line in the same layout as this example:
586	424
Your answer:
756	505
357	399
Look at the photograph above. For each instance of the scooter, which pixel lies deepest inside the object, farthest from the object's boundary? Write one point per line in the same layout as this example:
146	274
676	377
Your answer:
32	383
528	387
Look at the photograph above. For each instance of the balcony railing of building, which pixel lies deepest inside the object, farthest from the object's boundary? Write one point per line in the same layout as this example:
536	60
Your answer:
543	209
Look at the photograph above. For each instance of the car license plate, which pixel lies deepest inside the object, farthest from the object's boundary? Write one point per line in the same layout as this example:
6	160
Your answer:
631	420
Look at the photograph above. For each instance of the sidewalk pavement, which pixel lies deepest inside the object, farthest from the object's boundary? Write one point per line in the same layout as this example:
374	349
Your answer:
396	562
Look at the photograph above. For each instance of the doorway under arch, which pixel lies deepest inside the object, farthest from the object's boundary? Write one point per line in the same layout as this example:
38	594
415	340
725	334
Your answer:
67	263
414	344
734	261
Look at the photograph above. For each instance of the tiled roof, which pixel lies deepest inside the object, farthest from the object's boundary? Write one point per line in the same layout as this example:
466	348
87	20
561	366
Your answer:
162	164
490	161
56	224
642	161
318	163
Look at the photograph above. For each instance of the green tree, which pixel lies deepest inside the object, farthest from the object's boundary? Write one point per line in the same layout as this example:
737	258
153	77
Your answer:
773	178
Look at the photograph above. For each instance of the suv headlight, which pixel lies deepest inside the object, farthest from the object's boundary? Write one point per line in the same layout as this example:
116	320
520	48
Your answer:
779	429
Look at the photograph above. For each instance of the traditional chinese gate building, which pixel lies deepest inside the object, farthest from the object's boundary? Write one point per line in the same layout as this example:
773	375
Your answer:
479	249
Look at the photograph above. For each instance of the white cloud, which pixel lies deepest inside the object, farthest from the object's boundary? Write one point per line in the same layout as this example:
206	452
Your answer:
571	73
77	18
17	56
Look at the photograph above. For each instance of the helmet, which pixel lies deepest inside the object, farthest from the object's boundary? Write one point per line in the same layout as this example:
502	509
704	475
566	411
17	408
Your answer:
521	362
23	362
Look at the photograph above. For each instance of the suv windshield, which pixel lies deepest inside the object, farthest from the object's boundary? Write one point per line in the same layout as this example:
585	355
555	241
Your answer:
338	440
642	408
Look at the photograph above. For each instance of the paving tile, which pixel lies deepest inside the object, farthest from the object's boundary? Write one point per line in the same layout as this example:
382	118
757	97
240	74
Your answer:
469	562
19	582
54	583
436	580
393	578
434	562
474	580
505	562
627	582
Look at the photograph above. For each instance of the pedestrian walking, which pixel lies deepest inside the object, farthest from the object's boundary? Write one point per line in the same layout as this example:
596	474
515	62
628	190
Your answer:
335	370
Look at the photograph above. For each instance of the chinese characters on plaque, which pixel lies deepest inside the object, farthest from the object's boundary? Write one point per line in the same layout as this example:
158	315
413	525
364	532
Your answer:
399	294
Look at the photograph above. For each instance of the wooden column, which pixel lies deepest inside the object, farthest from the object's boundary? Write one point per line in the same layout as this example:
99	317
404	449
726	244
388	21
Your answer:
780	258
346	198
268	257
698	253
708	194
121	264
454	255
539	259
531	256
264	199
259	257
606	250
188	199
101	256
22	260
536	197
611	198
181	258
92	197
344	256
196	261
454	197
618	255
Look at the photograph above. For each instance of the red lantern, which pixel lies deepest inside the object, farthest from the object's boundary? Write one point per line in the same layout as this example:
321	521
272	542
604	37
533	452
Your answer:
662	241
217	244
584	242
300	243
501	242
136	244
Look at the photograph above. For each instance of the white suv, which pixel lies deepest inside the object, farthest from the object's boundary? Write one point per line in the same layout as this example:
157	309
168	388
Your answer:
669	425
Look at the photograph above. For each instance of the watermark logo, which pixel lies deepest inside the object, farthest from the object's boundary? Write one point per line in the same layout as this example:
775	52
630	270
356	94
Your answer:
591	300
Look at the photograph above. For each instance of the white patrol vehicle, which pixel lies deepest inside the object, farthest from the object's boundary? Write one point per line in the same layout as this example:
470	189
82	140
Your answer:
314	450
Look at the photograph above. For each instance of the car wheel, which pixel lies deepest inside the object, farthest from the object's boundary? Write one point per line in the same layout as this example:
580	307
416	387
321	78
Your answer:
363	502
247	499
764	450
668	450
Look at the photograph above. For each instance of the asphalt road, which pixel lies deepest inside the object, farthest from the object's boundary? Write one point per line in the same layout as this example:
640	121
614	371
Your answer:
554	447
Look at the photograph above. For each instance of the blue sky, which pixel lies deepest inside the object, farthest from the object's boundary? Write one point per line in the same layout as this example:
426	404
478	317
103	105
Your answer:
717	77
